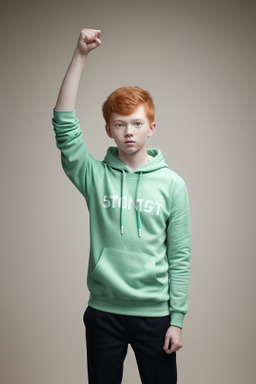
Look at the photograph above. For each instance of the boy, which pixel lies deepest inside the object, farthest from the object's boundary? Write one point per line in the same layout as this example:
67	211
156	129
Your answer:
139	261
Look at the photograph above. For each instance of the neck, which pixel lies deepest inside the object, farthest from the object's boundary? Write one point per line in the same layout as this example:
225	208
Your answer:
134	161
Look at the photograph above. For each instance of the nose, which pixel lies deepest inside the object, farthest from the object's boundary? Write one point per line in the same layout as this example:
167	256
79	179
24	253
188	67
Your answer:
128	131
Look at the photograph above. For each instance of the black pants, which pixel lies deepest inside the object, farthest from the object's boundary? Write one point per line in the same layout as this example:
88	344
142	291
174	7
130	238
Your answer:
107	339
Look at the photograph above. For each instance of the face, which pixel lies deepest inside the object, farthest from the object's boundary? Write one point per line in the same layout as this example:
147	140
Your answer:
130	132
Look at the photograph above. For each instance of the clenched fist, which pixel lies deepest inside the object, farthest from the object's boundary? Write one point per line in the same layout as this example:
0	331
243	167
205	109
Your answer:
88	40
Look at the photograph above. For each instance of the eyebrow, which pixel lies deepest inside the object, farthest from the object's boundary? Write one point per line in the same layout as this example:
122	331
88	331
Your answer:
123	121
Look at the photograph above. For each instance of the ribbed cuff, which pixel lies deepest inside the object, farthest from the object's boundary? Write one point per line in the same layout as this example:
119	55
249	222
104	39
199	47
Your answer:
177	319
64	116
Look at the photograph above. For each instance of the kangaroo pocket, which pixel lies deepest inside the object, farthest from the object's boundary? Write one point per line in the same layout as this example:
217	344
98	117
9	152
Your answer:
126	275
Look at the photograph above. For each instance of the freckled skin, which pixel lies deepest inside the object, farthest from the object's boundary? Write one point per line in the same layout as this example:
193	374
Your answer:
130	134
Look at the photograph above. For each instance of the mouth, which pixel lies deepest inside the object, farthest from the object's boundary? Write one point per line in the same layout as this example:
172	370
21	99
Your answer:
129	142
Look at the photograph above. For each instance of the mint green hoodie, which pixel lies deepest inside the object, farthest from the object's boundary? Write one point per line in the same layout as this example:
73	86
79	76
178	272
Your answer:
139	228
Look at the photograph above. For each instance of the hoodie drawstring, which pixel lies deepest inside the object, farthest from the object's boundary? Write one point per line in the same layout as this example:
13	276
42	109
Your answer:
137	206
121	211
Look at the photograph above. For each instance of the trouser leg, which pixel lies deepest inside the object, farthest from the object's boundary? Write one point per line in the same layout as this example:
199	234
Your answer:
106	346
147	339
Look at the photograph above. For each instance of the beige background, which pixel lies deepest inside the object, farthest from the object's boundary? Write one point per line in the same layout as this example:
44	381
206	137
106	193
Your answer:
198	60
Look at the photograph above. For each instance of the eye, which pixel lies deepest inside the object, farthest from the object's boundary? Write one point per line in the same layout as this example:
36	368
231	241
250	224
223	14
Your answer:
138	124
119	125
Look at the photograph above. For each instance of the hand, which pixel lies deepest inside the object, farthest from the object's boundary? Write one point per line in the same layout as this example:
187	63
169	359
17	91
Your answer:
173	340
88	40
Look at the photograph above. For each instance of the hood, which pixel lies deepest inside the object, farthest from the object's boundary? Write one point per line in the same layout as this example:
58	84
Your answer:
157	162
154	164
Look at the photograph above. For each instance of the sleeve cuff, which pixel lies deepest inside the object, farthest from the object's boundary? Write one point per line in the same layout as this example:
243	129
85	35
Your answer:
177	319
64	116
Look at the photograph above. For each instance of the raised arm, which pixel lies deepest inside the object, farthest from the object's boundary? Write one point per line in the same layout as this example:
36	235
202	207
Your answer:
89	39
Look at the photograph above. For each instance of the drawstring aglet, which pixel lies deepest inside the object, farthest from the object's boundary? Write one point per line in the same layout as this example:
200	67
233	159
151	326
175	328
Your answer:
122	230
139	232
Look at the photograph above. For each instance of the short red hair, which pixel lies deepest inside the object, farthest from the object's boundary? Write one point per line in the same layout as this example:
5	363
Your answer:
125	100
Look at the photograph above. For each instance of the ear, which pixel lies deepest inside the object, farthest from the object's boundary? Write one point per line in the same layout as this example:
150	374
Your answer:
107	127
152	129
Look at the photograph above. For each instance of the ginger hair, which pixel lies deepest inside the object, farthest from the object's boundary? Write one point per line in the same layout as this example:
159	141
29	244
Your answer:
125	100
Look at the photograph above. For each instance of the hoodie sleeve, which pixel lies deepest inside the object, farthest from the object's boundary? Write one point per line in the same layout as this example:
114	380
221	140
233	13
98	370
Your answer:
179	249
75	158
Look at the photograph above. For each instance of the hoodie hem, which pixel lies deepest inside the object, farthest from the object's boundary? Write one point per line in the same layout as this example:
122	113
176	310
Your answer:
132	308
